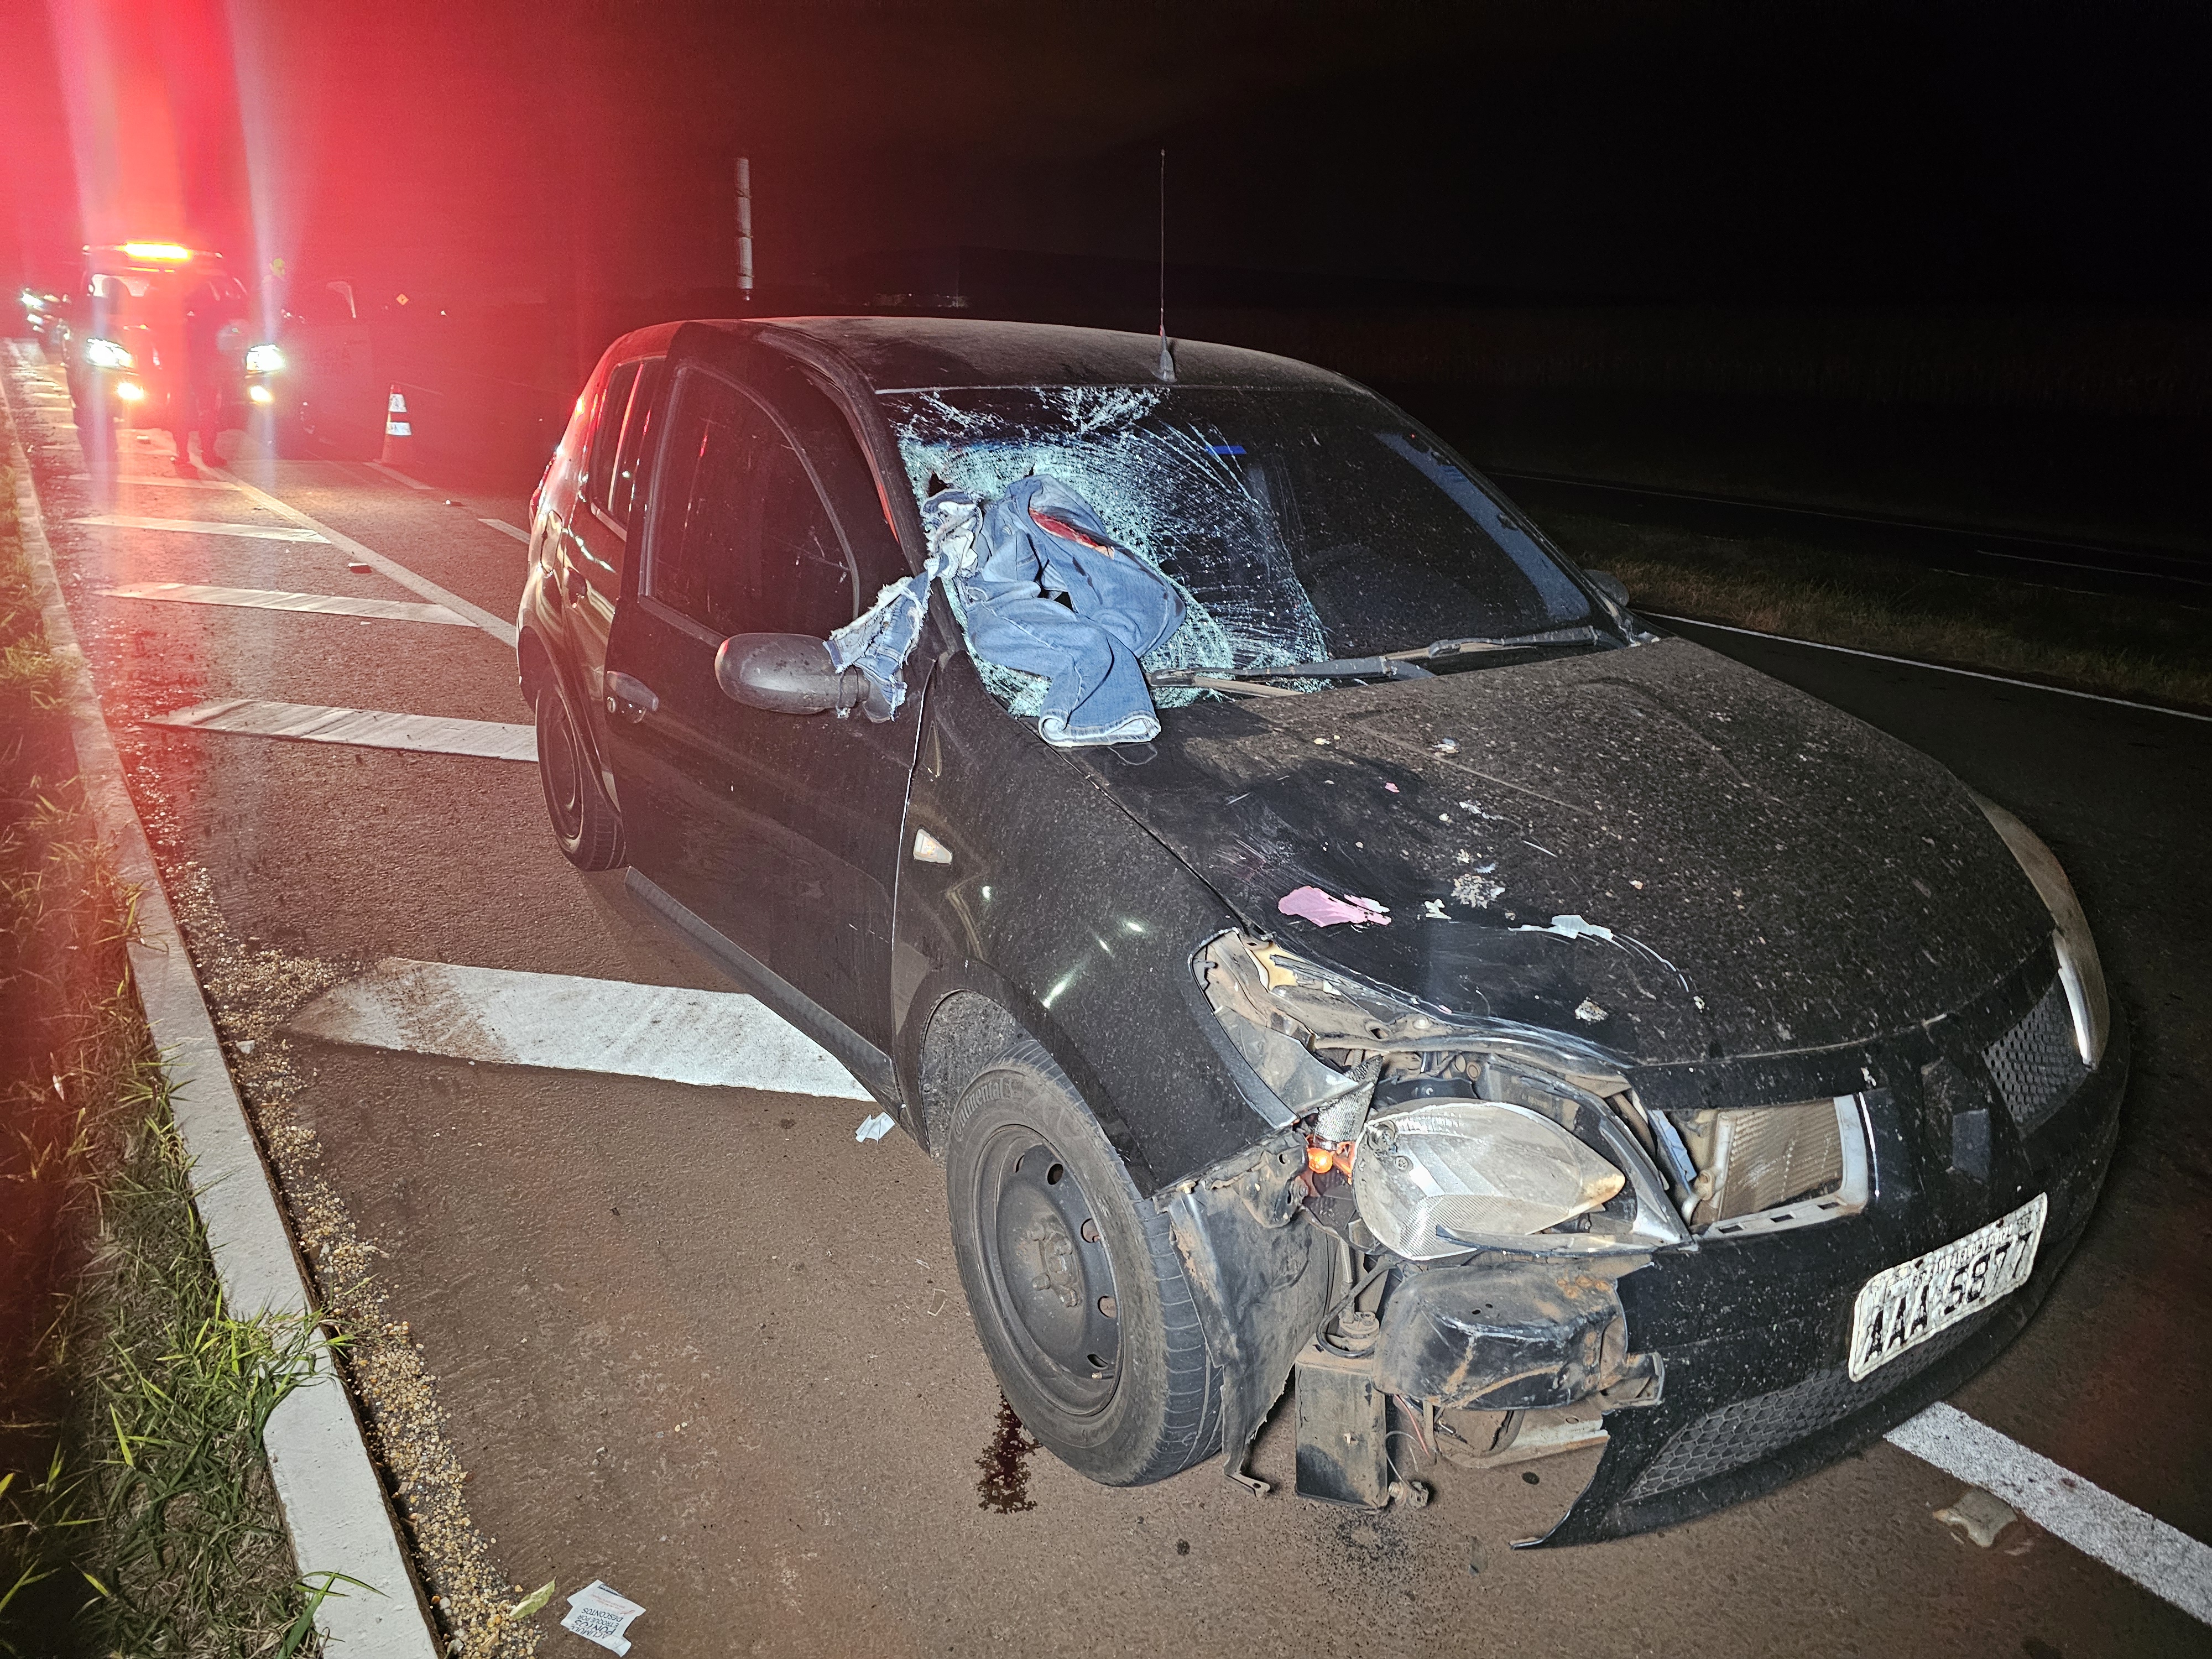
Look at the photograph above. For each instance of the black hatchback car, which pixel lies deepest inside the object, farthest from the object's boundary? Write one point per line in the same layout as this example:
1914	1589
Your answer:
1524	1028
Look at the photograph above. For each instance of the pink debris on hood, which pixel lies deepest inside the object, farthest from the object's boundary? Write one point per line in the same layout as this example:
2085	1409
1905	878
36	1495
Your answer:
1319	909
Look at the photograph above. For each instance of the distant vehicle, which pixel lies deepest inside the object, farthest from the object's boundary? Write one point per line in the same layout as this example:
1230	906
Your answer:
1528	1030
161	335
324	386
43	309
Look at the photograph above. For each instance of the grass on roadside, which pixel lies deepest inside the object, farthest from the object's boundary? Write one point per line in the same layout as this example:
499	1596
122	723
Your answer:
136	1512
2120	645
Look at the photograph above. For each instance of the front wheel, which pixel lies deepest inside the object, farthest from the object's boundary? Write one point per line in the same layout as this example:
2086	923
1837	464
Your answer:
1080	1297
584	821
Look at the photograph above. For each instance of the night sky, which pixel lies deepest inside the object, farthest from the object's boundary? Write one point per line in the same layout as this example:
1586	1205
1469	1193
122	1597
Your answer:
1855	153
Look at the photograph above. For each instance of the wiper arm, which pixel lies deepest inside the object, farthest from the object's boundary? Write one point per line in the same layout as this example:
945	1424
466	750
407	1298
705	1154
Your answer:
1445	650
1391	665
1398	668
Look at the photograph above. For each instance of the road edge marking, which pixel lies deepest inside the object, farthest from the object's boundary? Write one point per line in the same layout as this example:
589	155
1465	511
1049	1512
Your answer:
504	632
2138	1546
1933	668
326	1485
395	475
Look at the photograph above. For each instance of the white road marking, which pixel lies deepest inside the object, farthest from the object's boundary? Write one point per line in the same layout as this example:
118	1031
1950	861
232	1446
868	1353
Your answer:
2165	1560
362	728
504	632
715	1038
396	474
1934	667
157	482
267	532
264	598
507	529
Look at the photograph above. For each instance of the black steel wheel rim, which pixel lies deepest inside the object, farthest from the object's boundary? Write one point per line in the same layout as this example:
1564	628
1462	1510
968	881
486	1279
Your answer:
1050	1275
563	773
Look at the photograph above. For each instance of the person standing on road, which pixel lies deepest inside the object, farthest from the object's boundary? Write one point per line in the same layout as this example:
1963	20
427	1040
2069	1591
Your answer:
196	390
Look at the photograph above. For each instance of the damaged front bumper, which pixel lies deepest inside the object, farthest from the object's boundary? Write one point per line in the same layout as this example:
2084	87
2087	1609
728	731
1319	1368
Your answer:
1706	1356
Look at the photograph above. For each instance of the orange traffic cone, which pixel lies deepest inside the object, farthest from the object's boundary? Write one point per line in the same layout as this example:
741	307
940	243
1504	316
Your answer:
398	432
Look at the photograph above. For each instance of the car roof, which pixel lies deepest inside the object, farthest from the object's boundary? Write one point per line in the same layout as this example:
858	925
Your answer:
917	353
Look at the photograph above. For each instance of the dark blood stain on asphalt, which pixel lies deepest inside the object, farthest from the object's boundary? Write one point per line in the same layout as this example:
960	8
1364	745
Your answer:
1005	1483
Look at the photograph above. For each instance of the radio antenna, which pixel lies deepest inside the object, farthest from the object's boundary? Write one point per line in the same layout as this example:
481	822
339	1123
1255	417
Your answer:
1167	370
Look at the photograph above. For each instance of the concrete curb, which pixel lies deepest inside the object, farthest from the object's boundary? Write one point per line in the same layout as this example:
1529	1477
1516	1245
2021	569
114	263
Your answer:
326	1485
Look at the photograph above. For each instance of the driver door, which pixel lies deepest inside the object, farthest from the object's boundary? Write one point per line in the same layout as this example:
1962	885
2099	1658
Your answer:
780	830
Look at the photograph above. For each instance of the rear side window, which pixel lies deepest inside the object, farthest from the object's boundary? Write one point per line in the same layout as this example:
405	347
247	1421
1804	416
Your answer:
636	440
606	433
745	545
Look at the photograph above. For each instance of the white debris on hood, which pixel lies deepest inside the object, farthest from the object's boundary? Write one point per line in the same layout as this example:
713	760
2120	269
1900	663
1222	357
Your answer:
1575	927
1571	928
1479	891
1590	1013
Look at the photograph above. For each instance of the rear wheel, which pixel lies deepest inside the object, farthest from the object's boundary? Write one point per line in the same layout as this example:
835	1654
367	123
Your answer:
584	821
1080	1297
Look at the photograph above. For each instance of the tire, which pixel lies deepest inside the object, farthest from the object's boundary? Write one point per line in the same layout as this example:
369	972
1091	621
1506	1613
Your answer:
585	822
1078	1295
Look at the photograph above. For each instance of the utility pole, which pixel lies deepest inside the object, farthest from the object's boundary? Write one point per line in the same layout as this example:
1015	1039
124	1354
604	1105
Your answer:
745	226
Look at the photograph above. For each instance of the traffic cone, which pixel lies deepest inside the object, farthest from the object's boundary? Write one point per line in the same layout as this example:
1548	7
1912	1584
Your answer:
398	432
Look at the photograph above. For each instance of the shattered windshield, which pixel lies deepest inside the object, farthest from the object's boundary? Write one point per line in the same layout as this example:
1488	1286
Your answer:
1300	524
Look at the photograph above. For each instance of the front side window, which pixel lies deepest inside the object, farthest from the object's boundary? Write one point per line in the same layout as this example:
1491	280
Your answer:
636	437
745	545
606	433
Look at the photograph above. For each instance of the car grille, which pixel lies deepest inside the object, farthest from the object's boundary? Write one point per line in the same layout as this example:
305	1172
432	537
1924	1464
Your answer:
2035	1064
1745	1431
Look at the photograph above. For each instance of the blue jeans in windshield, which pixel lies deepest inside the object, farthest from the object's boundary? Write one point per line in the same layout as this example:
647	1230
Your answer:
1041	540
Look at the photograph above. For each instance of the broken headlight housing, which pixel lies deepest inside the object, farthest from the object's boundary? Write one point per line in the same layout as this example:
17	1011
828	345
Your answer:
1442	1178
1457	1135
2079	970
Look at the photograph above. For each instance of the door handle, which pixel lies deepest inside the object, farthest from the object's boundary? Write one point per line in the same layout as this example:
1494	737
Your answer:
630	697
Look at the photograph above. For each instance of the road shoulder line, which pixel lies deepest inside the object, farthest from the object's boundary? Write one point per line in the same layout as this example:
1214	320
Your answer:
503	631
360	728
570	1023
303	605
1933	668
326	1485
2165	1560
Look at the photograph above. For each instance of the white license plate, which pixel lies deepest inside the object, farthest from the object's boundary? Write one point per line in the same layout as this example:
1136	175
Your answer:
1901	1307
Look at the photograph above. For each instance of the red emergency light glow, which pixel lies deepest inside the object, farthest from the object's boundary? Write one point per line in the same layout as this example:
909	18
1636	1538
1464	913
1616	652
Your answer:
168	252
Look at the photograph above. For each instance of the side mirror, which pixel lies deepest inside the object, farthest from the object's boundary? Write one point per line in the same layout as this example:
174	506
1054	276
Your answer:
785	674
1609	585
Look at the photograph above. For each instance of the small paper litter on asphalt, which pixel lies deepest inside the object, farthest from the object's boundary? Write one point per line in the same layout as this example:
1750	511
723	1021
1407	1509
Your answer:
600	1615
875	1128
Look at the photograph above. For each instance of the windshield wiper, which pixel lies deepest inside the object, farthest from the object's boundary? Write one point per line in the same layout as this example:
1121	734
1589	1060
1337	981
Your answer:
1445	650
1336	668
1391	665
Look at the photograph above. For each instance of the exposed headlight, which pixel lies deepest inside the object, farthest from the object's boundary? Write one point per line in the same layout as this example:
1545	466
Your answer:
264	359
130	390
1438	1180
105	354
2079	969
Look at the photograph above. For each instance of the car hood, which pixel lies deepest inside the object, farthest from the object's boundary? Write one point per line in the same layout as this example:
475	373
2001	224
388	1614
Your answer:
1655	849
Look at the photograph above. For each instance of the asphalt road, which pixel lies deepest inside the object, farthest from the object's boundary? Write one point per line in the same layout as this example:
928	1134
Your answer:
698	1343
